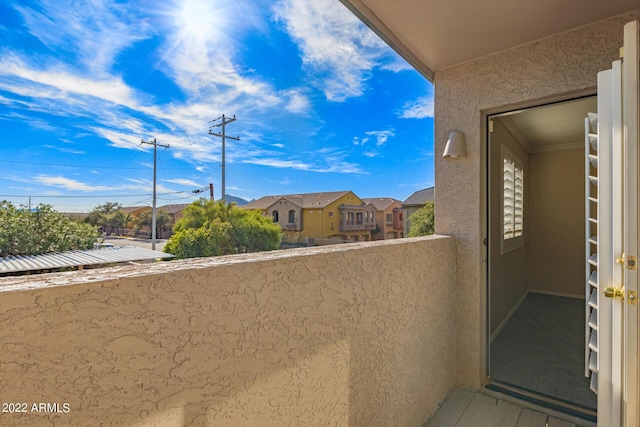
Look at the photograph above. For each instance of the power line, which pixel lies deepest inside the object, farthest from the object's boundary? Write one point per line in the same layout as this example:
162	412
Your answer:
80	197
73	166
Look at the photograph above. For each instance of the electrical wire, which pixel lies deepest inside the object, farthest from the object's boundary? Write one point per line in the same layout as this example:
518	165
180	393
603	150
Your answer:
73	166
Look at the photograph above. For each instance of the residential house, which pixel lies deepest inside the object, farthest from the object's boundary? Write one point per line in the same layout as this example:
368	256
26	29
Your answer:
389	218
380	333
286	211
415	202
339	215
135	211
175	212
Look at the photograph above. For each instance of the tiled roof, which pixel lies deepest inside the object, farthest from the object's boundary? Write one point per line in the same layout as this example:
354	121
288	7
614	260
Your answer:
420	197
381	203
131	209
172	209
308	200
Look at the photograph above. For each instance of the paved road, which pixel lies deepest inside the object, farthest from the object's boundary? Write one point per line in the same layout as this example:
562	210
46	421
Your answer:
139	243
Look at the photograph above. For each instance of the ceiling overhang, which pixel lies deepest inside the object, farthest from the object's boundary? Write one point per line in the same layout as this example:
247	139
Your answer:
433	35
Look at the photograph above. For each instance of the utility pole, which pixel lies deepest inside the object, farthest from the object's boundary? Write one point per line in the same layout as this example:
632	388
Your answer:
225	121
211	192
153	213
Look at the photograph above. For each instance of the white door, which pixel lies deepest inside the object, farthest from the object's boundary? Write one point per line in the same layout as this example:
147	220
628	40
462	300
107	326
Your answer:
611	352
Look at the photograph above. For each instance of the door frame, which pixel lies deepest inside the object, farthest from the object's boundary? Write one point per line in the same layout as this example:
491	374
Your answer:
631	108
485	116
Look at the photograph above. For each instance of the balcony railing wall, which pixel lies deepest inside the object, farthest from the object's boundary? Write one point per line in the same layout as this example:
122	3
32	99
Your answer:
360	334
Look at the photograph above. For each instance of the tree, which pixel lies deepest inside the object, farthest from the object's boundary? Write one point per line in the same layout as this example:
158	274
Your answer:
215	228
118	220
25	232
145	219
103	216
422	221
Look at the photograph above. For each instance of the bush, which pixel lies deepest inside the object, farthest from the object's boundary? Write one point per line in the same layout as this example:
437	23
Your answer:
214	228
25	232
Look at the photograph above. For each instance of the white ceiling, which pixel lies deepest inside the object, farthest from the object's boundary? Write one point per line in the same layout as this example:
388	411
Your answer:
552	126
436	34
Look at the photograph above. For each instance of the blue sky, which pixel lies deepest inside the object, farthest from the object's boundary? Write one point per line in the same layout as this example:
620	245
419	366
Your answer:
322	104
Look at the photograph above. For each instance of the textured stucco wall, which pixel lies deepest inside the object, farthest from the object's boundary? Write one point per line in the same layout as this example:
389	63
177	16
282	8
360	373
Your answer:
359	335
540	71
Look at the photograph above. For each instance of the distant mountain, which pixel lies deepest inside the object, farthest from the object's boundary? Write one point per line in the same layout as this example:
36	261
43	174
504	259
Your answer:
237	200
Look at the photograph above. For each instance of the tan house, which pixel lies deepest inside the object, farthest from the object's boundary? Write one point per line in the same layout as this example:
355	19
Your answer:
414	202
175	212
382	333
337	215
389	217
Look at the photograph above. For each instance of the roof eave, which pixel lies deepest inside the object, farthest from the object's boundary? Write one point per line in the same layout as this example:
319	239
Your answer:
372	21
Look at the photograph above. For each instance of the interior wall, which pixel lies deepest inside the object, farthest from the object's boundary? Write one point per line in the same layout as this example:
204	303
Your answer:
556	222
508	272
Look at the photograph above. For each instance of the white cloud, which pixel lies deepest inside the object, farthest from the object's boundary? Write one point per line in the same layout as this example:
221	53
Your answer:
63	27
278	163
185	182
334	45
418	109
297	102
64	149
67	184
381	136
57	83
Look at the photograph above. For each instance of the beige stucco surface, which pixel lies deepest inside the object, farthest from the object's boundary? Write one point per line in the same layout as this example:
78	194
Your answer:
552	68
359	335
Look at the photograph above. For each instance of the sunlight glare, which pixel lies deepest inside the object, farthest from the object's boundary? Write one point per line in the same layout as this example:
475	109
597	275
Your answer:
198	17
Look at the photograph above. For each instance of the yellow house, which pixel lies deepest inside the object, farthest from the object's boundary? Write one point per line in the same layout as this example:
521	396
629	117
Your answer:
328	215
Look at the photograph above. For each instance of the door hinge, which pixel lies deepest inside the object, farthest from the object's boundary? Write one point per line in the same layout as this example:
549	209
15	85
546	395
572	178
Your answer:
632	297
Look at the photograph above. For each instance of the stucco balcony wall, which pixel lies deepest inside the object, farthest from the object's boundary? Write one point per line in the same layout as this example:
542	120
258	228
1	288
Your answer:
360	334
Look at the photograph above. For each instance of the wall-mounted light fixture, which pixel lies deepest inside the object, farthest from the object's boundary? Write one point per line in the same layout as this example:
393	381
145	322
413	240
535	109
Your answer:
456	146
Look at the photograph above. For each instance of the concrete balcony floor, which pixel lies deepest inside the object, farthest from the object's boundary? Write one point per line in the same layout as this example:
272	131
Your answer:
467	408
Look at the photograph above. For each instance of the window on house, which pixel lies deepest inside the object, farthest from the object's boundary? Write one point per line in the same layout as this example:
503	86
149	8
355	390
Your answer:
400	216
276	216
292	216
389	218
512	201
359	218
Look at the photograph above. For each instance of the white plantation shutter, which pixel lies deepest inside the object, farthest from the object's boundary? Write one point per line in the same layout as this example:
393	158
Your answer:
604	246
592	249
512	201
